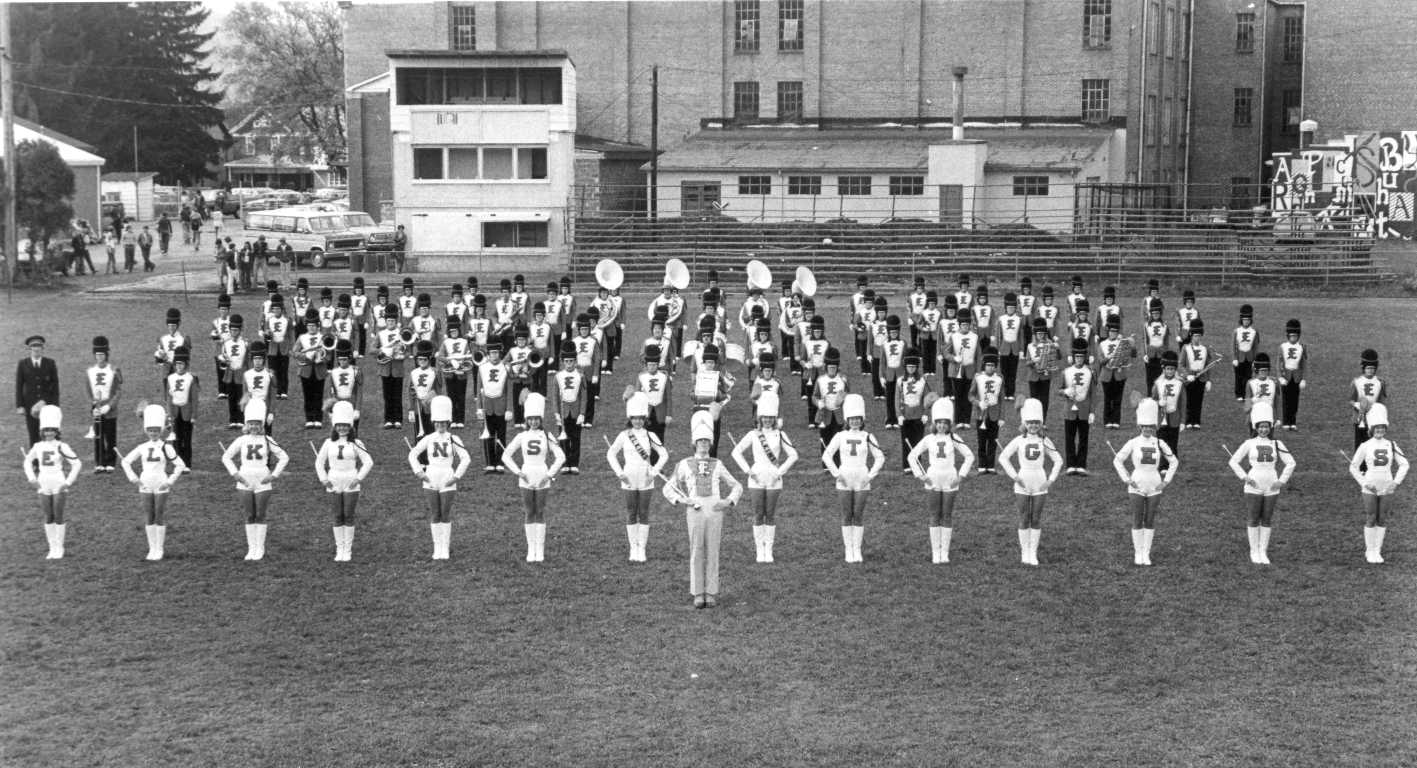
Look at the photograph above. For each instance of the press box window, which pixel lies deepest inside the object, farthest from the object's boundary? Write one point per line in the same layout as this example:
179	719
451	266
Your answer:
1030	186
428	163
754	185
514	234
804	185
853	186
907	185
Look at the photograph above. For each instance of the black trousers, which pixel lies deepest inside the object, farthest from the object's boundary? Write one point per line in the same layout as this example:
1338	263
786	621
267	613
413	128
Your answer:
1040	390
457	392
496	439
182	439
233	403
861	343
877	388
1195	399
572	444
988	444
518	414
1075	433
393	405
105	441
1242	375
280	364
890	401
1153	370
592	392
787	348
1112	400
654	424
960	389
911	433
1008	369
829	430
32	424
312	389
928	350
1172	437
1289	402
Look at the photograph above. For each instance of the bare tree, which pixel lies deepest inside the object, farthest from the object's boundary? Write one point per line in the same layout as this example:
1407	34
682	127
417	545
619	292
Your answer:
289	58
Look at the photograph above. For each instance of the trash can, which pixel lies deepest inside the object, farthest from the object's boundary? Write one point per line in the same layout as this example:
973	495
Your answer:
356	261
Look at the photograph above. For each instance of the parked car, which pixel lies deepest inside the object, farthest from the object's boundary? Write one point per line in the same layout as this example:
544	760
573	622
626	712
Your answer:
319	237
376	237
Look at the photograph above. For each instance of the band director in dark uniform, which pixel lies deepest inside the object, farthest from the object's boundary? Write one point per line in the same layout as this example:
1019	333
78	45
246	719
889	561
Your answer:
36	385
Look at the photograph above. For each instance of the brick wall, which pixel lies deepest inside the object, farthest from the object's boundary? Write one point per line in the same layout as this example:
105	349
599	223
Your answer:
1358	57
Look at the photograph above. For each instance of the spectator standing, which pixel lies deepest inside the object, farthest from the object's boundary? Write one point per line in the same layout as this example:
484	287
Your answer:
196	223
80	244
129	239
286	256
184	220
261	253
400	247
36	385
218	218
145	244
243	264
164	233
110	244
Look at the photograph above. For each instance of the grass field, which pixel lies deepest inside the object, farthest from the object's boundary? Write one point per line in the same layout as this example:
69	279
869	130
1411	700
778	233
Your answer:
396	660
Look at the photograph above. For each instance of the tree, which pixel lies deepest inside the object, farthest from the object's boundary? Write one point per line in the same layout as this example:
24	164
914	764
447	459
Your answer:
290	58
96	71
46	189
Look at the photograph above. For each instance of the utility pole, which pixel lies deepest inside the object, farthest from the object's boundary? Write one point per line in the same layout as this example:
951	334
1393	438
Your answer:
654	144
7	146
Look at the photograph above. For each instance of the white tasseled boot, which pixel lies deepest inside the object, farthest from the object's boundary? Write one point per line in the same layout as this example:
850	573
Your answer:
436	529
1368	551
769	535
348	543
1146	536
758	543
260	541
1379	533
250	541
945	535
632	535
857	540
447	540
935	544
1138	537
1024	538
49	539
540	542
59	541
160	534
530	530
644	541
846	537
1264	544
152	541
1252	532
1034	534
339	543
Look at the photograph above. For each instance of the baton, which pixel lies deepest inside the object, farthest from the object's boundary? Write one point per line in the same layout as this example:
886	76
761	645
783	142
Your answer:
1345	456
407	443
313	449
1226	448
1110	448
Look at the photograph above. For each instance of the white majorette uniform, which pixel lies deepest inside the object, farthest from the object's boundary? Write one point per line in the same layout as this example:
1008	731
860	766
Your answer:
1031	479
1263	480
1379	466
440	459
637	457
341	464
772	455
44	468
541	459
255	460
153	480
1145	479
933	460
846	458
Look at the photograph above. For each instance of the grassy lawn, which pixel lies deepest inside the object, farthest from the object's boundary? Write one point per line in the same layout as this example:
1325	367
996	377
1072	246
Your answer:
586	659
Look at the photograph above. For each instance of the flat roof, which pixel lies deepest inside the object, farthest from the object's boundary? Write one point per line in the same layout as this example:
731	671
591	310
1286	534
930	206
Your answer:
433	53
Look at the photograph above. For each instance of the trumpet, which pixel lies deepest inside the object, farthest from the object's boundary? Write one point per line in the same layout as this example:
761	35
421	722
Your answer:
1215	359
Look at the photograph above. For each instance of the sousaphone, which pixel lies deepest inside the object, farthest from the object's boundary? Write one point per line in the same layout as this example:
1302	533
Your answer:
609	275
676	274
806	282
759	276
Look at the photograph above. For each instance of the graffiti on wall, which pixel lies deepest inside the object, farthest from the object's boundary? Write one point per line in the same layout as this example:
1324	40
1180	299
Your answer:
1368	180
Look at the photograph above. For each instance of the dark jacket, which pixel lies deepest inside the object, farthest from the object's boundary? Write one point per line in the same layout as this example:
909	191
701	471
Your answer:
34	384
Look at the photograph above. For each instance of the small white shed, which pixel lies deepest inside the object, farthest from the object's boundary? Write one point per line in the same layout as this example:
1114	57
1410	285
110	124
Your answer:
134	190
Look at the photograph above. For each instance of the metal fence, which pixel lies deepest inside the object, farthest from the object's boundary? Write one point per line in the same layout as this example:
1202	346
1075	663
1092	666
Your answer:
1113	233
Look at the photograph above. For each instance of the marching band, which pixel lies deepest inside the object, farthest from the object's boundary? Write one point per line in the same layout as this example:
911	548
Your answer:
538	367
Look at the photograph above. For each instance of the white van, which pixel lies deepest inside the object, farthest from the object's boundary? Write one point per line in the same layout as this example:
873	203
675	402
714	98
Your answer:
319	237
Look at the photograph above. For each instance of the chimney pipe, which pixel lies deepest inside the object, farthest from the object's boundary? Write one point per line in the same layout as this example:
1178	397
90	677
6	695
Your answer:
957	133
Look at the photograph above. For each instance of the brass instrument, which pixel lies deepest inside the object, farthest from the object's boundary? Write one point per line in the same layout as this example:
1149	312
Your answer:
479	357
1215	359
406	336
328	342
1124	354
535	360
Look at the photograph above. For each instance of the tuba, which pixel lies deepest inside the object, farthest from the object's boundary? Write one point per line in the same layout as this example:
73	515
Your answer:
806	282
676	274
759	276
1046	357
609	275
1124	354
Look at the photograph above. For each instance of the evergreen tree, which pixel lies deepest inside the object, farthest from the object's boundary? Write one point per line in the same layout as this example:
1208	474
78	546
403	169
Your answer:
96	70
46	185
